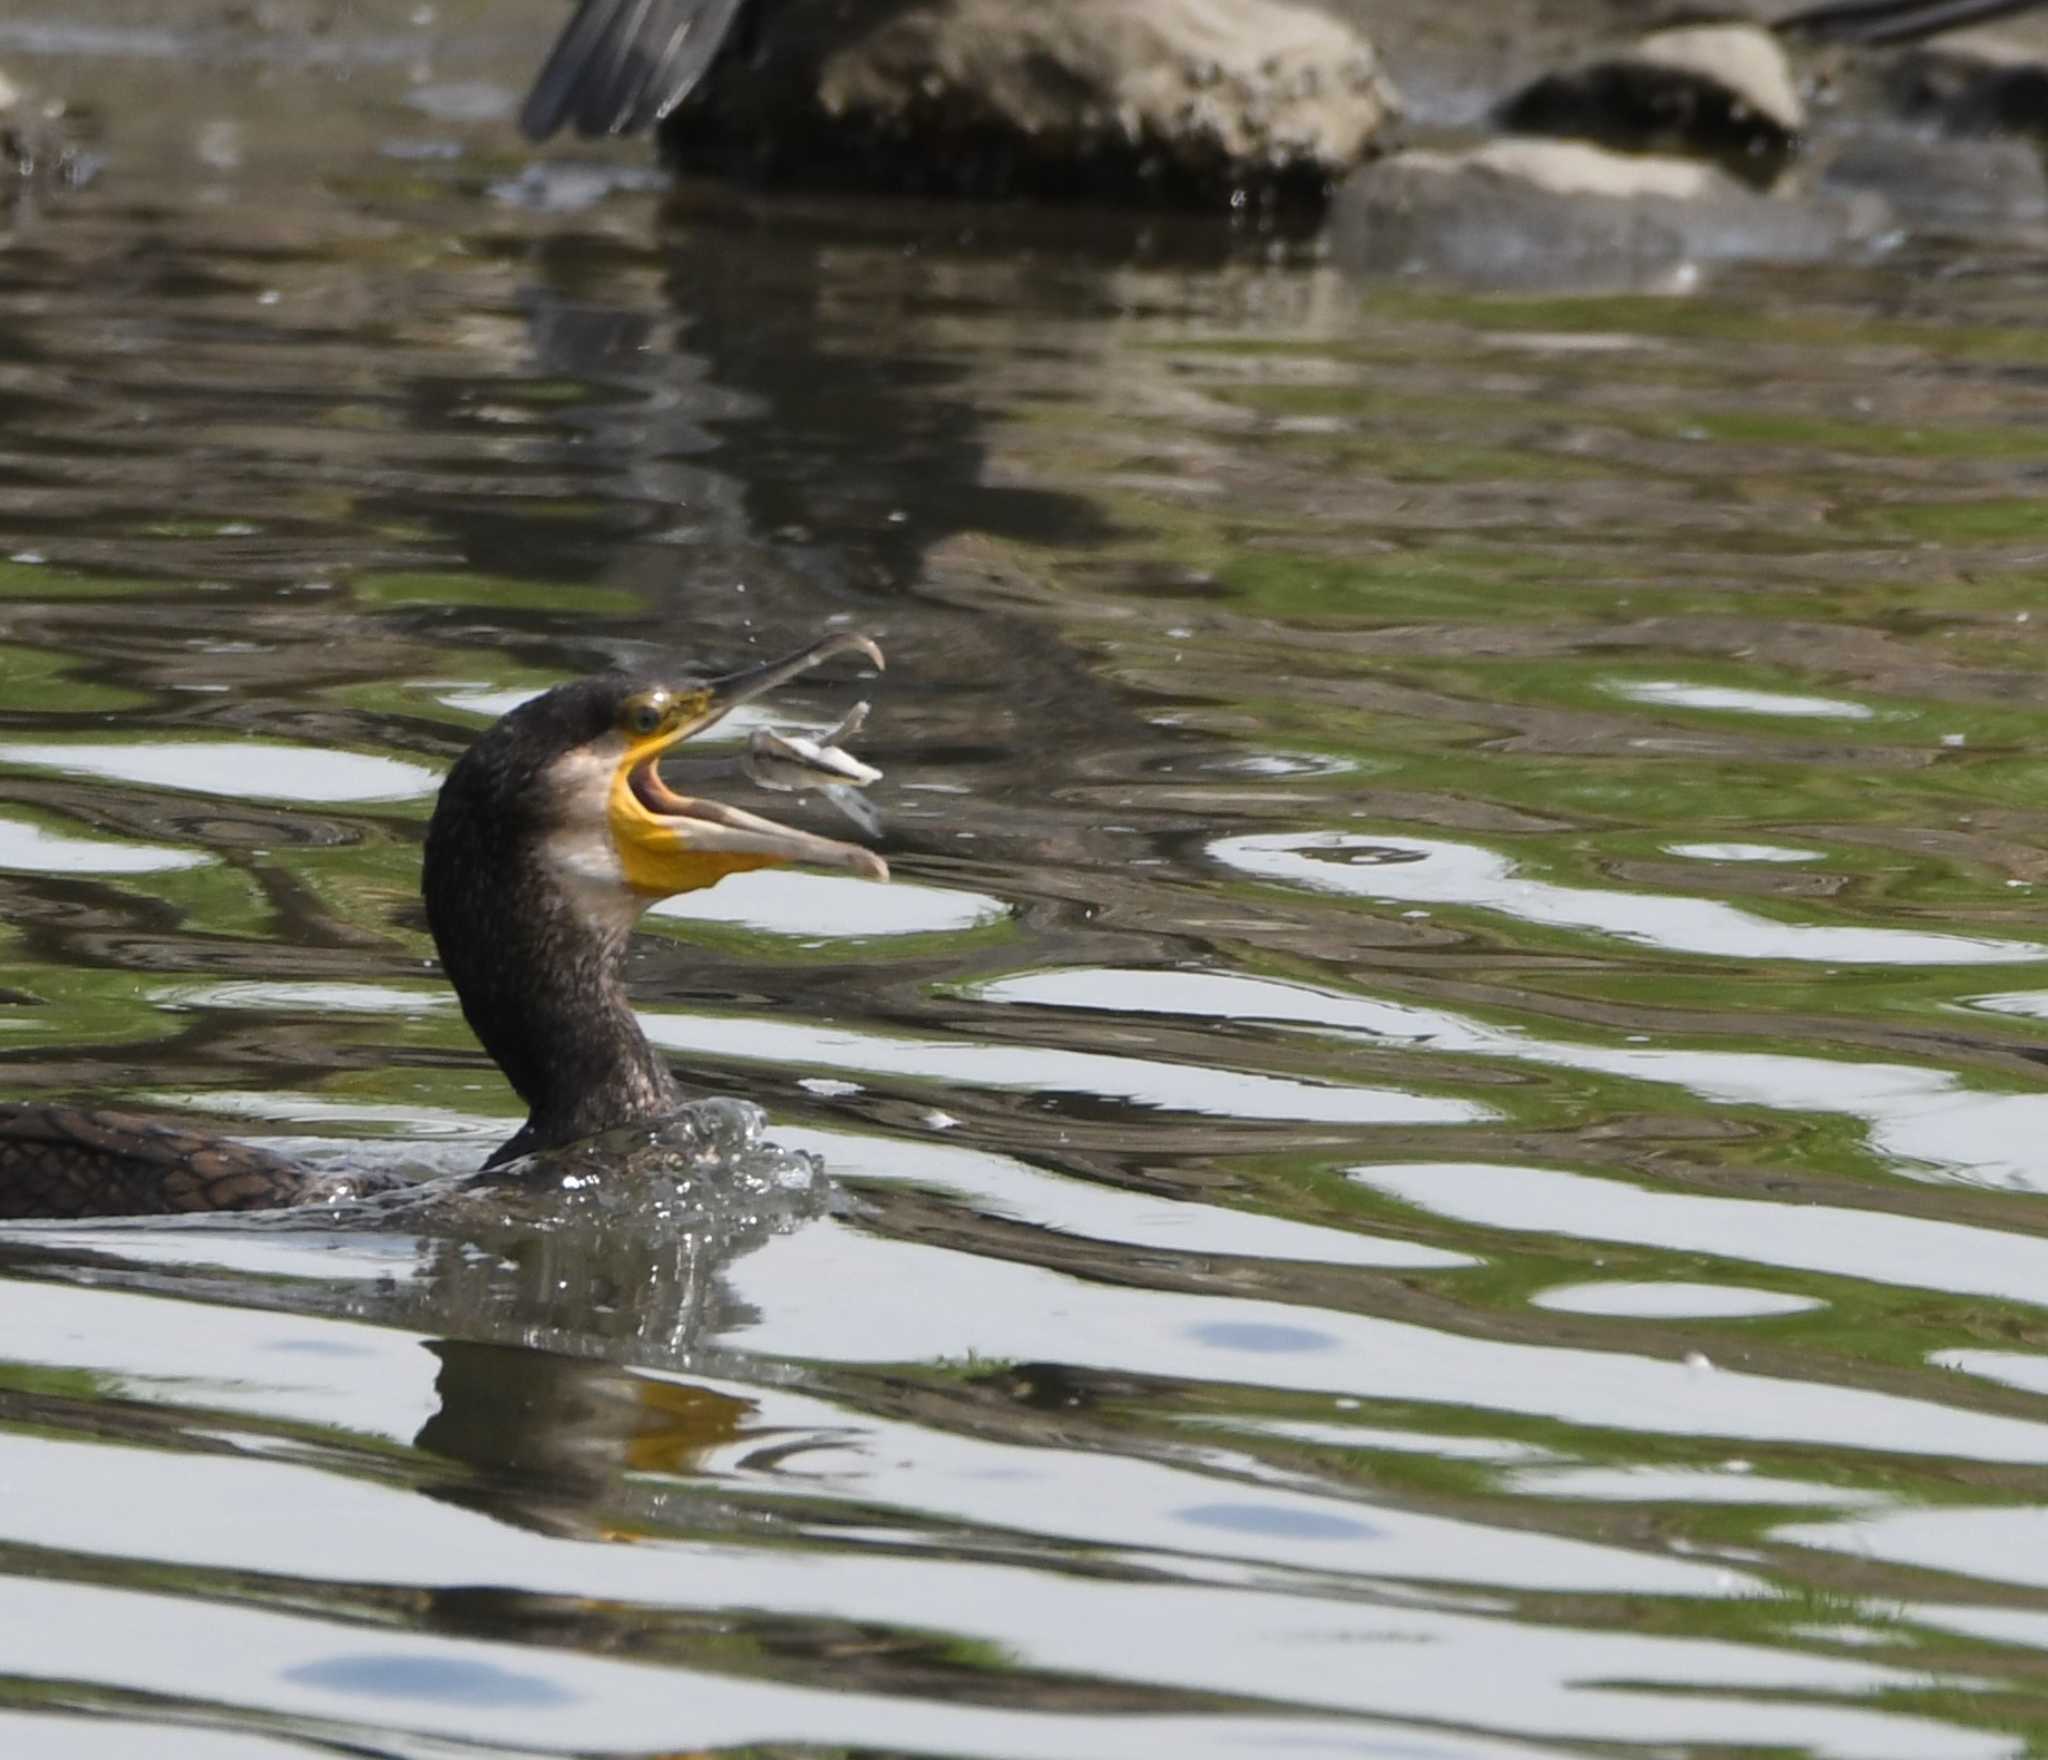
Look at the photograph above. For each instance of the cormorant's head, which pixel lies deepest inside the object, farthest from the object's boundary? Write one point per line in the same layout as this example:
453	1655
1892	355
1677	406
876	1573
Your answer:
570	781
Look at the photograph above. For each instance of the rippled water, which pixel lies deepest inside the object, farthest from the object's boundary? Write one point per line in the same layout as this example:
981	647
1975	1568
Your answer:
1439	1149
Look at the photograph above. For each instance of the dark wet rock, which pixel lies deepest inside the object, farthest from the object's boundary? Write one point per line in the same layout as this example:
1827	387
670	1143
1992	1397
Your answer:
1973	85
1718	92
1549	213
1165	100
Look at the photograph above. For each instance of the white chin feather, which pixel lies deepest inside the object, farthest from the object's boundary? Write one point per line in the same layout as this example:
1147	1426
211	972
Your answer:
579	852
585	865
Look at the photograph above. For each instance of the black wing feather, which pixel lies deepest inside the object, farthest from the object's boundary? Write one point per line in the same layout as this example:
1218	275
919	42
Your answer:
1896	21
615	72
621	65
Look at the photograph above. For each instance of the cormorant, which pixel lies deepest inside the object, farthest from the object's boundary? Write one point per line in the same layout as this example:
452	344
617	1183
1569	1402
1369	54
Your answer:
551	835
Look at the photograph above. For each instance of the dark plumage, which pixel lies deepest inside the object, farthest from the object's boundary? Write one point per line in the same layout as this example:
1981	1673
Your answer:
59	1161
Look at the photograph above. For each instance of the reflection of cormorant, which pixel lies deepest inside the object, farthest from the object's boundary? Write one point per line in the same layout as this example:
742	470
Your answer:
540	1427
553	832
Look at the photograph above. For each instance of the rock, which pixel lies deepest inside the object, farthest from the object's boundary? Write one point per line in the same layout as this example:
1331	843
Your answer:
1974	85
1557	214
1717	92
1197	101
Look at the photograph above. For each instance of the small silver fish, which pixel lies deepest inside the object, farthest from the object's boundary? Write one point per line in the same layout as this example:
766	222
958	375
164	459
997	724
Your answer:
791	763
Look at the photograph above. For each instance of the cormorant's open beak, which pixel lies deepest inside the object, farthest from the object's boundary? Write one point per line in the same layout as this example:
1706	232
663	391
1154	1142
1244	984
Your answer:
670	843
727	693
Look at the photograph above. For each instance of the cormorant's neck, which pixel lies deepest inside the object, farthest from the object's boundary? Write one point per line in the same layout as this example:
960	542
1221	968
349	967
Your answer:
539	972
569	1044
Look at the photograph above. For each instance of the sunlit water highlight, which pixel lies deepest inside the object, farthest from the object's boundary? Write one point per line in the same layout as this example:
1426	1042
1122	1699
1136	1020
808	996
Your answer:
1429	870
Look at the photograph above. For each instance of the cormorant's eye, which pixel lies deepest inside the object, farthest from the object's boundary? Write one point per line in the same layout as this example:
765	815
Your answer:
644	714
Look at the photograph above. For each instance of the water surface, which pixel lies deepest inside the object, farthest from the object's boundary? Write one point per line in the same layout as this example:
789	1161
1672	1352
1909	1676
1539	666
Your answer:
1450	1091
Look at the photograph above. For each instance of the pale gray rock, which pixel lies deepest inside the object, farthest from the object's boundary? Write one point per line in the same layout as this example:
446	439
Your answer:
1561	214
1939	183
